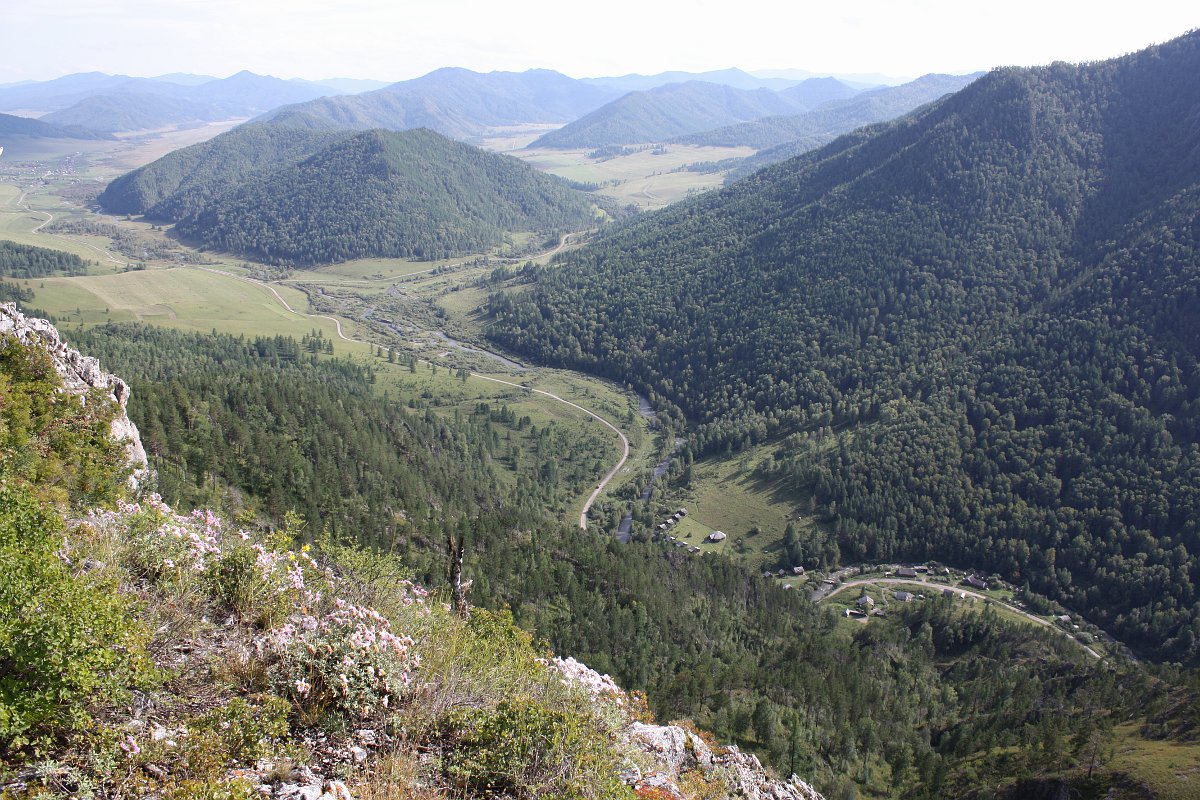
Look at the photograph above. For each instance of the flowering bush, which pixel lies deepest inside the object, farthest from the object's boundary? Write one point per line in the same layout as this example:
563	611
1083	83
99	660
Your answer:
181	551
346	660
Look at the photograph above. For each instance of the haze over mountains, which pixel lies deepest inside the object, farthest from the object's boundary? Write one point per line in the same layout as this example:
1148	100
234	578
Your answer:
111	103
677	109
36	129
781	138
993	300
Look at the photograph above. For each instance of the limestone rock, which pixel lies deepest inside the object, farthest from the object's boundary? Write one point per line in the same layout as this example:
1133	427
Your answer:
79	373
678	751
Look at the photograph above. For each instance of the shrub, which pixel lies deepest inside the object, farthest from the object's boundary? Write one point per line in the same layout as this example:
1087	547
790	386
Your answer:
345	660
59	445
528	748
64	639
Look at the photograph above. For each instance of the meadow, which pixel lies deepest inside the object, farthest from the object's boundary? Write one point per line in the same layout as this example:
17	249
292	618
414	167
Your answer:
649	178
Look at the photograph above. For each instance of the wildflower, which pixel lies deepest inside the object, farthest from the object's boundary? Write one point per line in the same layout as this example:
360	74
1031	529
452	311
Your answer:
129	745
302	688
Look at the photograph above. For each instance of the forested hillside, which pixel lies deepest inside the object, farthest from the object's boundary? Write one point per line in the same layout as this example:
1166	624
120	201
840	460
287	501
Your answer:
413	194
36	129
783	137
976	328
900	707
290	195
669	111
183	182
129	111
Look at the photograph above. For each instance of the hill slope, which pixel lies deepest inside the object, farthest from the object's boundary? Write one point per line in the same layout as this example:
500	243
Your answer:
408	194
127	111
111	103
455	102
182	182
992	301
666	112
783	137
37	129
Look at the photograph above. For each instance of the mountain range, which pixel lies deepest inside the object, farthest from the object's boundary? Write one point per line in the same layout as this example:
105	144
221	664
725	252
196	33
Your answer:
678	109
11	125
455	102
112	103
974	331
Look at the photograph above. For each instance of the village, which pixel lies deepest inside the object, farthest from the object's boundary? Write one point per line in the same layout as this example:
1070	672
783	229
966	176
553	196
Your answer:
862	591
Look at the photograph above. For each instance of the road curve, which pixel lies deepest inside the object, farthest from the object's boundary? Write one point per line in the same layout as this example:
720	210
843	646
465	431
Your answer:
624	440
338	325
968	593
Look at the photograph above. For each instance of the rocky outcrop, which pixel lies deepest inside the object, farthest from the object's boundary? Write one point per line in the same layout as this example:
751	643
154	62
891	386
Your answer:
80	373
668	753
677	751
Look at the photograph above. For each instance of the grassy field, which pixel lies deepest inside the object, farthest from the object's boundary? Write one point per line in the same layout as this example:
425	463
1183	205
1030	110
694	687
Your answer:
726	496
1171	769
420	298
645	178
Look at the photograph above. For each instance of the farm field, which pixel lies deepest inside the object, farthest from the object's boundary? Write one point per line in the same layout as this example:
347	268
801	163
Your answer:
42	205
646	178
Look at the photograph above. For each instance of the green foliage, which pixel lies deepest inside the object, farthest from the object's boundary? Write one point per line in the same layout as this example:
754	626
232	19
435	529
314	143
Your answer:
294	432
525	748
13	292
239	582
27	261
413	194
283	195
58	443
975	330
243	732
666	112
65	639
185	181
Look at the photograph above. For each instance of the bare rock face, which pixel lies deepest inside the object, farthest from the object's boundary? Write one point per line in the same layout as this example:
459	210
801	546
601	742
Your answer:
679	751
672	752
79	373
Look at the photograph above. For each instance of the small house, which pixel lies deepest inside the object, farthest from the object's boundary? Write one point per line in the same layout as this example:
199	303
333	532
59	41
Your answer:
797	570
947	593
903	597
975	581
681	512
906	572
865	601
717	536
694	549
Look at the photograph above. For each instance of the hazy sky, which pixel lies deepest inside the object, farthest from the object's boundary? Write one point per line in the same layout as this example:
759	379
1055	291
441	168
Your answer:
398	39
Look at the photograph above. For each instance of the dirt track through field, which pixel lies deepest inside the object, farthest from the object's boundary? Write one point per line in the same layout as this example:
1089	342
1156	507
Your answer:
338	326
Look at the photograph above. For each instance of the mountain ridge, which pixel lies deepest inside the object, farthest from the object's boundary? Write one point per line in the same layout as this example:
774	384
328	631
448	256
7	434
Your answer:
851	285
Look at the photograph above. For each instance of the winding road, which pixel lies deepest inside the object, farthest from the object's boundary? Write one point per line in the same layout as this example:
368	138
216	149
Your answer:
587	506
50	218
968	593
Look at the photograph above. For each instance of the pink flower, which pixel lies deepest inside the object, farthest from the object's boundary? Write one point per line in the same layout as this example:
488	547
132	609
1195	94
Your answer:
302	688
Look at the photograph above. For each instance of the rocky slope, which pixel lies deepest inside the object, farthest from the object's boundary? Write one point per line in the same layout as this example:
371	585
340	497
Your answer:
80	374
